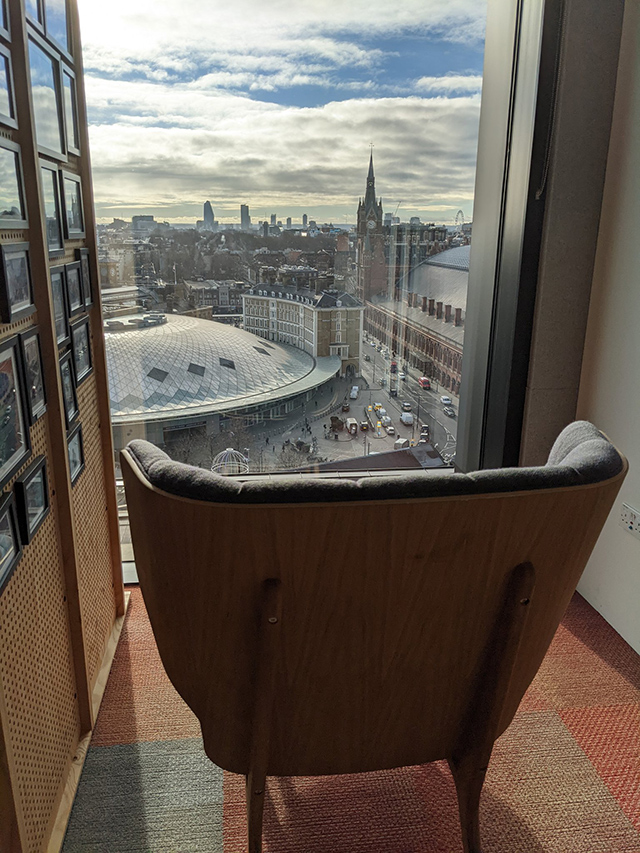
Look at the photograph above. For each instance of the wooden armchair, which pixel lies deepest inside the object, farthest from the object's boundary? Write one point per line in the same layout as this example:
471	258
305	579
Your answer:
337	626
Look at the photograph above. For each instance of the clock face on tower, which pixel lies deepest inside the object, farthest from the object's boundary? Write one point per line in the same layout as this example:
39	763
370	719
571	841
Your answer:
371	224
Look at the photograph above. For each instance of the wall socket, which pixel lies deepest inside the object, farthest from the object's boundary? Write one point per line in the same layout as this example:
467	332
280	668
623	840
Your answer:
630	519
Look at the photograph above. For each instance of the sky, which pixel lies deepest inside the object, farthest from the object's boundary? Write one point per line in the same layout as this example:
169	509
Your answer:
276	104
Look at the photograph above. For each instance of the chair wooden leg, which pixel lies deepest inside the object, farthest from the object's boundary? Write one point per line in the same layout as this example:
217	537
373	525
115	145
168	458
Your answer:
469	780
256	789
267	655
479	730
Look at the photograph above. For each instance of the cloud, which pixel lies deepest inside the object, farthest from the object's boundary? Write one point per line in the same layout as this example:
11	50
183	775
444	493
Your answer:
449	84
192	100
188	145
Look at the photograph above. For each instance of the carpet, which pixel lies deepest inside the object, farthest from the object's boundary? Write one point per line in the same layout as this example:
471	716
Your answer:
564	778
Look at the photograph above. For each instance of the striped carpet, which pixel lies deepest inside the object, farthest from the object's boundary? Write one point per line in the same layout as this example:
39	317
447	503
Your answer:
564	778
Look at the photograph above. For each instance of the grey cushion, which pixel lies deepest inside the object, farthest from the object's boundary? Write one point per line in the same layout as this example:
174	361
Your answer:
581	454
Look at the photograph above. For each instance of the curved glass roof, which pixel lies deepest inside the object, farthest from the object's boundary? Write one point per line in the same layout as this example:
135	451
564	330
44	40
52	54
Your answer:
189	366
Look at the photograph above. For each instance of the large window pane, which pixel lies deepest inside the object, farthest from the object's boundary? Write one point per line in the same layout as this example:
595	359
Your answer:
271	283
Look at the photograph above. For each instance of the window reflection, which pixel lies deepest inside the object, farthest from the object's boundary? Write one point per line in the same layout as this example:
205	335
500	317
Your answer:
10	196
56	12
45	98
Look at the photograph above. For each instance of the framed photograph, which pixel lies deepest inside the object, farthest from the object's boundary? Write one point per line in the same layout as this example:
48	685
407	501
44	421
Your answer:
12	210
56	25
75	302
16	298
14	430
70	102
81	349
73	217
10	548
4	20
33	374
32	498
82	255
52	209
75	449
59	297
46	86
34	12
68	389
7	96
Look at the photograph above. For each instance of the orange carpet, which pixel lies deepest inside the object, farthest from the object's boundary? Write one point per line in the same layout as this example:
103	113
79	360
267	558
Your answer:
564	778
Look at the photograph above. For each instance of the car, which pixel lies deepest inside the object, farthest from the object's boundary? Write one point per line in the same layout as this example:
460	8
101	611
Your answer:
353	394
450	411
377	406
424	430
367	357
446	401
390	430
402	376
379	348
345	407
424	382
406	406
372	343
364	426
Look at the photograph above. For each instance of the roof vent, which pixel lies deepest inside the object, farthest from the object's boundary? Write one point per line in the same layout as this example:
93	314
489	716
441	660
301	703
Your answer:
157	374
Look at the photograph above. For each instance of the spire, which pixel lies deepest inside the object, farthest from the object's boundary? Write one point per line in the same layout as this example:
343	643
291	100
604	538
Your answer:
370	197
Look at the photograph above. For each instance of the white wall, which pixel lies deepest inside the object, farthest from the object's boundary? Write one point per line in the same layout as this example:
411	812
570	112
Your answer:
610	382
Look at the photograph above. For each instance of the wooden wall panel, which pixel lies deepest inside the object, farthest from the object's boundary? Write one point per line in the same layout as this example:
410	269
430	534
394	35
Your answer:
40	719
95	561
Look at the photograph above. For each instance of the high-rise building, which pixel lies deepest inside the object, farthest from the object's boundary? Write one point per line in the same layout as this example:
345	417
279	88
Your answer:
208	216
372	268
273	219
245	219
304	220
288	222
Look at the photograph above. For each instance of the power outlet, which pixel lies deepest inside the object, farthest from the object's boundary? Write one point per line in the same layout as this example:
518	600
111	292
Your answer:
630	519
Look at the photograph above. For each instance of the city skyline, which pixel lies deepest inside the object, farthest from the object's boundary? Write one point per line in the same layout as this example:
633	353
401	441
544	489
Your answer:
276	108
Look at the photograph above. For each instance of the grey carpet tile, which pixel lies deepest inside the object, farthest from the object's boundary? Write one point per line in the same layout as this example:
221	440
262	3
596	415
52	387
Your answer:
159	797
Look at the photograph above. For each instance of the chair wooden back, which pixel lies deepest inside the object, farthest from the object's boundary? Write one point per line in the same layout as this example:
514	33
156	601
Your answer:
387	612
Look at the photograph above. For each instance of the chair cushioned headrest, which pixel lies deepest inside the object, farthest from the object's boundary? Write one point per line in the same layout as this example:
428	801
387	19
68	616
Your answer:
580	455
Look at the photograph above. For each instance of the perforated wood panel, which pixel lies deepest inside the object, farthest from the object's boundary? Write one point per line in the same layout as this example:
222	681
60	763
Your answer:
42	725
92	536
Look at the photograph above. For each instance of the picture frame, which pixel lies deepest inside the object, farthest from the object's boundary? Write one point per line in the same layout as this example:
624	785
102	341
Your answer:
46	93
82	255
56	25
12	207
32	498
7	91
35	391
10	546
15	445
4	20
35	13
70	104
73	213
81	349
75	451
16	292
75	302
69	395
58	284
52	208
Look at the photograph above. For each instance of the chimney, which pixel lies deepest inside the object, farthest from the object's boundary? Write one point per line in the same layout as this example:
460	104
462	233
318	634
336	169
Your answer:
458	317
439	310
424	303
447	313
432	309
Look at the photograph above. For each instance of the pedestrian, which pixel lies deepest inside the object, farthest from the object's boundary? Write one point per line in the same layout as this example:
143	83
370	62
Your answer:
267	439
316	404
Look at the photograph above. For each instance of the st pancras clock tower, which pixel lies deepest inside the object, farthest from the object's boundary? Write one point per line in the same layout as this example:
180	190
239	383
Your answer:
371	266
